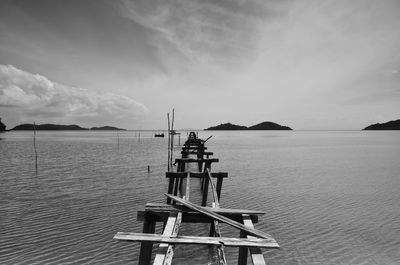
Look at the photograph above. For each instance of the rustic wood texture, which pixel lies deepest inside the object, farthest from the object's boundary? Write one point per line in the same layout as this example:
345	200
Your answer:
255	252
196	160
188	152
146	248
188	217
227	211
166	251
180	210
251	231
227	241
195	174
215	229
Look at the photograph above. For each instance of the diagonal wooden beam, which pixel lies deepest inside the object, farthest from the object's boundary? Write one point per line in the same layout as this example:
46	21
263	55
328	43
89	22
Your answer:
250	231
215	229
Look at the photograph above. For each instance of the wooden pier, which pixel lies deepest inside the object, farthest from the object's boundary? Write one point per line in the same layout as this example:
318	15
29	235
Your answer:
178	210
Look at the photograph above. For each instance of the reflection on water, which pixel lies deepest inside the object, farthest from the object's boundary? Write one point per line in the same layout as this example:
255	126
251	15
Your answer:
330	197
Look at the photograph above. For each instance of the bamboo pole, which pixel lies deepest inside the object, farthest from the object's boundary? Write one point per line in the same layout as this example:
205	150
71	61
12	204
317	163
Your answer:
34	144
118	140
172	136
169	142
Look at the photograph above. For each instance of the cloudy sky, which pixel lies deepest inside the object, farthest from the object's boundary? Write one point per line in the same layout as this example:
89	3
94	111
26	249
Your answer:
308	64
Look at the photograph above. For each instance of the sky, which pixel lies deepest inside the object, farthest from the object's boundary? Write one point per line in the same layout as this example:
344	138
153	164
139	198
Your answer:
309	64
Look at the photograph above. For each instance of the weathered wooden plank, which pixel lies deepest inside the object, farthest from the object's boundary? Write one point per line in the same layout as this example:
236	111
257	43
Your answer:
226	241
213	190
168	207
195	174
163	247
166	251
215	229
255	252
194	147
188	152
196	160
251	231
188	217
187	190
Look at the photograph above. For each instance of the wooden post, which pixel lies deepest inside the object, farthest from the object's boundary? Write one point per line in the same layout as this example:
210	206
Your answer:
34	145
242	259
205	192
219	186
255	253
176	187
170	188
149	227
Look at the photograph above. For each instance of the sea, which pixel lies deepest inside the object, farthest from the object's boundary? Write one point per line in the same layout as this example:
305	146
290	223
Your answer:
330	197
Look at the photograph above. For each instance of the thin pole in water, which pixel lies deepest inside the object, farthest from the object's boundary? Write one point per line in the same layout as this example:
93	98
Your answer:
172	136
169	139
34	144
118	139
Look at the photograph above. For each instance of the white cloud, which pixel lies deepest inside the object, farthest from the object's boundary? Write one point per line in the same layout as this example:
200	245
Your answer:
34	97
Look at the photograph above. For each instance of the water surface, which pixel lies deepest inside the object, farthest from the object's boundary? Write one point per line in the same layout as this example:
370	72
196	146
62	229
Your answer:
330	197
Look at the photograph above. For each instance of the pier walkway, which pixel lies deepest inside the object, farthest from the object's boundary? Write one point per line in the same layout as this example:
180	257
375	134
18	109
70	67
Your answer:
195	165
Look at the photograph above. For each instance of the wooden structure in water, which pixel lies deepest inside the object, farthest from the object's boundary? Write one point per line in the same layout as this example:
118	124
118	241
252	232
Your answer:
178	210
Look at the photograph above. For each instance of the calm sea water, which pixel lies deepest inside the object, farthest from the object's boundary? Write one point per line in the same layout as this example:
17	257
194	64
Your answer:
329	197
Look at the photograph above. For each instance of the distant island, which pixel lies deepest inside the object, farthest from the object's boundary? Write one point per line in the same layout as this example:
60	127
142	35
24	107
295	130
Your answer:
59	127
267	125
46	127
390	125
227	126
2	126
106	128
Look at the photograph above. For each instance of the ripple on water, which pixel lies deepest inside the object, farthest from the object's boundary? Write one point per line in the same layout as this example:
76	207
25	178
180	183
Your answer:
329	197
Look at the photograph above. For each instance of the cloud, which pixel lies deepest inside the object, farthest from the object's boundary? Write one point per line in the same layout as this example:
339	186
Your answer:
34	97
203	31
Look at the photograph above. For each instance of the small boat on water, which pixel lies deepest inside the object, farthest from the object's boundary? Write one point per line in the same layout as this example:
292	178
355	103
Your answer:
159	135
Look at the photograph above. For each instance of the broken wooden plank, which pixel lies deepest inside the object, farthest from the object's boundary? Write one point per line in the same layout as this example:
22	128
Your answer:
255	252
251	231
168	231
215	229
213	190
166	251
226	241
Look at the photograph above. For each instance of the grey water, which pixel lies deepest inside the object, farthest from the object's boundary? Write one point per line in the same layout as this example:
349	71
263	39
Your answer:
330	197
